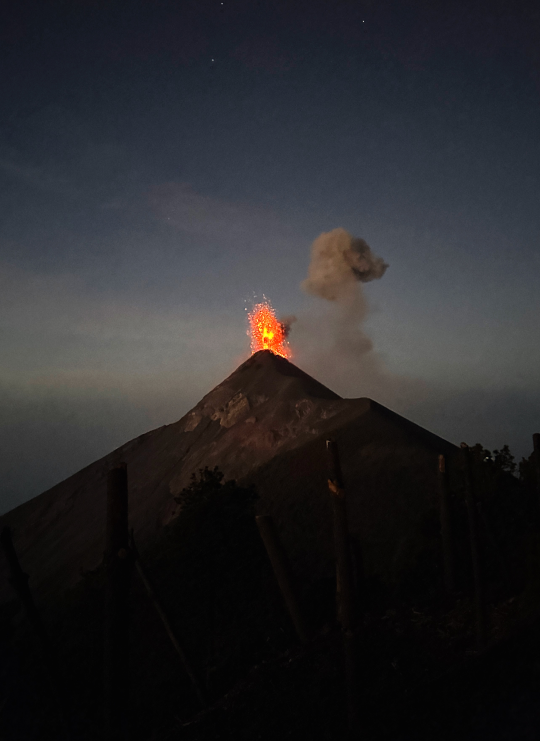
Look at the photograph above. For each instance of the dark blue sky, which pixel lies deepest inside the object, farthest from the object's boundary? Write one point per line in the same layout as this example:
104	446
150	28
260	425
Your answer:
161	162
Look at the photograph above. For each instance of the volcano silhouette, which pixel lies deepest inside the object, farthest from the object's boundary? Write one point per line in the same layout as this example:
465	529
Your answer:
265	424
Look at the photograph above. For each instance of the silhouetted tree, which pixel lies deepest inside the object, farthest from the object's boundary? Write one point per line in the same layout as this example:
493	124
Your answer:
503	460
223	557
527	471
218	501
504	508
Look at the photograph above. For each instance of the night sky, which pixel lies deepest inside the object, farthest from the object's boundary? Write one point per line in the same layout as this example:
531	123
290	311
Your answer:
163	162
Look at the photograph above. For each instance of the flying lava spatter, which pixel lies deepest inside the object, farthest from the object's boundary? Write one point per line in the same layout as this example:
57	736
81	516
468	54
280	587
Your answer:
266	331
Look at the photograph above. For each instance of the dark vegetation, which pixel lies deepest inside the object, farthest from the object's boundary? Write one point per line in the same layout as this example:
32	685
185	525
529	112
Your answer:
420	674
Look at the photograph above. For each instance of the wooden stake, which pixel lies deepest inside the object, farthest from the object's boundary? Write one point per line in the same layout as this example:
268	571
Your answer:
149	586
357	575
446	528
470	499
344	583
118	562
282	572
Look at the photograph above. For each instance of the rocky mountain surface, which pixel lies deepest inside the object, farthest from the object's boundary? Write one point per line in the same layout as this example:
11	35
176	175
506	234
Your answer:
266	424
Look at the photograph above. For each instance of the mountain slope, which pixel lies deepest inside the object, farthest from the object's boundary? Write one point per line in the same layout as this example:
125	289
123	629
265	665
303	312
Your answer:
262	413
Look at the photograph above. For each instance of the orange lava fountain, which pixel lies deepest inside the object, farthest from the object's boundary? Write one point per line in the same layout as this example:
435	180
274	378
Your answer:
266	331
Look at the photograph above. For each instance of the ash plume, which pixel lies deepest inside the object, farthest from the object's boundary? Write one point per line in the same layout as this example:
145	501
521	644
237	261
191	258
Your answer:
339	262
343	355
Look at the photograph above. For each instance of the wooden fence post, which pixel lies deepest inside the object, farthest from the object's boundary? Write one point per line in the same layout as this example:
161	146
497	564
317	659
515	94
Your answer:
118	563
446	528
344	583
282	572
476	558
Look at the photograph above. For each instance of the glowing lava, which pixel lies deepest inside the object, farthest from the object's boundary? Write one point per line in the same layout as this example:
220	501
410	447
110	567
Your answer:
266	331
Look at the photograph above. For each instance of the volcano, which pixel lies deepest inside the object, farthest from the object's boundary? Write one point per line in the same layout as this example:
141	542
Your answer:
266	424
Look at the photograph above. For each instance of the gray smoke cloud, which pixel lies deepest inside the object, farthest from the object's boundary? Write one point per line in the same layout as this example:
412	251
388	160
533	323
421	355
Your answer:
333	344
339	262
